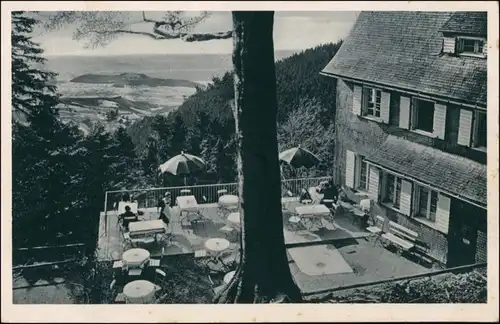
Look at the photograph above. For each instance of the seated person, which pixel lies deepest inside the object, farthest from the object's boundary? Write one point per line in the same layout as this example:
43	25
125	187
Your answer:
128	216
331	192
126	197
321	187
164	207
165	201
304	195
164	217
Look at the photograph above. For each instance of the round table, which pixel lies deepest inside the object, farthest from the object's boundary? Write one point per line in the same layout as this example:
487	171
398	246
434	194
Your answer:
217	244
139	292
229	276
228	200
135	257
234	218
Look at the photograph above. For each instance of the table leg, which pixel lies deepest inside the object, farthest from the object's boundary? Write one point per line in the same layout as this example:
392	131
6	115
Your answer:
318	222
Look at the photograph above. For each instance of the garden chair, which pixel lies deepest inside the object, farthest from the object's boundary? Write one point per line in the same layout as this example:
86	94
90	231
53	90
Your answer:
134	272
294	222
118	264
227	231
159	279
127	241
120	297
154	262
215	288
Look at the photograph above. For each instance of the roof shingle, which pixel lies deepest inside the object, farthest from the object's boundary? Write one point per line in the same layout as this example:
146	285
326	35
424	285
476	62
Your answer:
403	50
467	22
449	173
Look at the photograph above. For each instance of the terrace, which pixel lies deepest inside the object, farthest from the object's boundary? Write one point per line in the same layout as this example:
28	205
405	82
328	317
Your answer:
337	254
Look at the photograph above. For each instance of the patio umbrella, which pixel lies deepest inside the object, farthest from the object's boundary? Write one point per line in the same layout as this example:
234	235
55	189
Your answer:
299	157
183	164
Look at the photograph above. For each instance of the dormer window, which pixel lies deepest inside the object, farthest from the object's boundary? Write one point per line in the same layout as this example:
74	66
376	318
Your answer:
471	46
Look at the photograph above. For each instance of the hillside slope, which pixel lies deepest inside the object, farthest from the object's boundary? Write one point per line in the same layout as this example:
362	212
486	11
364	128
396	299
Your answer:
133	79
203	124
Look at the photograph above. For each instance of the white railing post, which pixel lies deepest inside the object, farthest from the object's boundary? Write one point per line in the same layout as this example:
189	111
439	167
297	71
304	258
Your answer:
106	213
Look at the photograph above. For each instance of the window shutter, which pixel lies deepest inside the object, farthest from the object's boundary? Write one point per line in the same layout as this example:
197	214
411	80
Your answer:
405	200
449	45
373	186
440	121
356	100
404	112
465	127
443	213
350	162
385	107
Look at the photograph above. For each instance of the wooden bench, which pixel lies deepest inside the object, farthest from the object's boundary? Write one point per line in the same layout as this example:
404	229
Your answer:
404	239
378	227
421	251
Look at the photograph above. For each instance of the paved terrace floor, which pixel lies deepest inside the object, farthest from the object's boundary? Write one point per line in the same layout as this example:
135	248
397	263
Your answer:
341	254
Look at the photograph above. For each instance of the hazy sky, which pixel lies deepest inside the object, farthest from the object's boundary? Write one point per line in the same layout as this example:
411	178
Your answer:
292	30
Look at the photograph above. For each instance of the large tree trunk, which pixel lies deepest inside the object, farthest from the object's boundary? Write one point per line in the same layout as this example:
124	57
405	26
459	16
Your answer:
263	274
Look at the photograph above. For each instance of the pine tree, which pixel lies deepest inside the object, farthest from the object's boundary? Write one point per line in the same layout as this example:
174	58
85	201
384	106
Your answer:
33	98
39	140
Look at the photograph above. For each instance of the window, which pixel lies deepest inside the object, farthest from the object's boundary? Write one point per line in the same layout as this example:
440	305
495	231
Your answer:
470	46
393	190
426	203
423	115
362	172
480	133
372	102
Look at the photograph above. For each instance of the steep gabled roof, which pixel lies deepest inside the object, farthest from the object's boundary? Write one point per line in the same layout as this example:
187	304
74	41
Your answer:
467	22
404	50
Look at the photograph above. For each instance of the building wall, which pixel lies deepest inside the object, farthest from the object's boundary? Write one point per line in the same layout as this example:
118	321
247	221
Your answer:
481	250
437	242
360	135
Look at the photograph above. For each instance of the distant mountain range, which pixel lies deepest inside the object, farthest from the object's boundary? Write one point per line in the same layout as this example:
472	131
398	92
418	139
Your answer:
133	79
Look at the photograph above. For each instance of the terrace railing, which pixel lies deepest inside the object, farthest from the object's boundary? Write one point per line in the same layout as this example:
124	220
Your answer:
205	194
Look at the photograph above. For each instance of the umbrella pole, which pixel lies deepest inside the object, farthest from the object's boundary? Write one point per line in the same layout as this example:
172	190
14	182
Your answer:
185	181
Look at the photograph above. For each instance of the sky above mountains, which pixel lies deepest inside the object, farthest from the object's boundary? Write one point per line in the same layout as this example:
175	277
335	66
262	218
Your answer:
293	30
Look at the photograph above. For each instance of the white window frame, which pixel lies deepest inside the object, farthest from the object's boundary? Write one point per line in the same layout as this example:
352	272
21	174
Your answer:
414	115
416	212
385	183
477	52
366	94
360	159
476	130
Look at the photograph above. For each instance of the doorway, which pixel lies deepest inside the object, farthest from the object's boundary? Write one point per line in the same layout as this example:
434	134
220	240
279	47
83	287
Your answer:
462	237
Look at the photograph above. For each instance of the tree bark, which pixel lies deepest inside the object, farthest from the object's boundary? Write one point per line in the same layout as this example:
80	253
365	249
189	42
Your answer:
263	274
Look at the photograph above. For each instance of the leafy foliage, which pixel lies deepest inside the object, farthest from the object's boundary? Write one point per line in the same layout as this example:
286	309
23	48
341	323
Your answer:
304	127
470	287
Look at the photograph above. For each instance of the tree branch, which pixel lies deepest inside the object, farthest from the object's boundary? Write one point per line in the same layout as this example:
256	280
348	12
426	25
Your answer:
100	28
125	31
162	35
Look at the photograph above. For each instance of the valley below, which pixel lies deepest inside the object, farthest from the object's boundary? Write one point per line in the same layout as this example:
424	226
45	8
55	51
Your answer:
120	99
